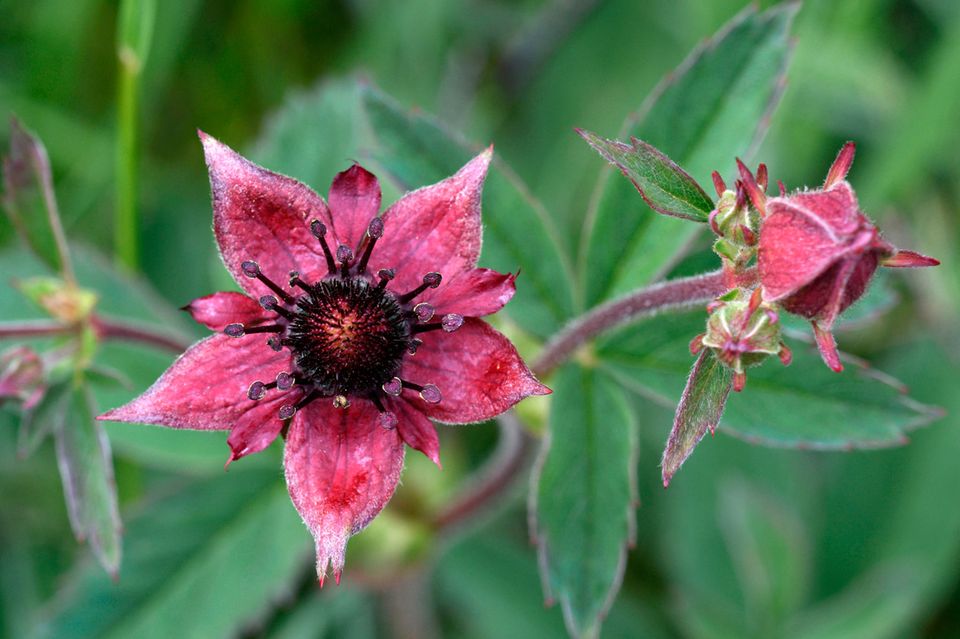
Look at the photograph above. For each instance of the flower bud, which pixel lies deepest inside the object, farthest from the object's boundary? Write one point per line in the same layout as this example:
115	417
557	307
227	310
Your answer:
818	252
21	376
743	331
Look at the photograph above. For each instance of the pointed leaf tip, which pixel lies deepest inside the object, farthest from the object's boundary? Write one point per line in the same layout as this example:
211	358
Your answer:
909	259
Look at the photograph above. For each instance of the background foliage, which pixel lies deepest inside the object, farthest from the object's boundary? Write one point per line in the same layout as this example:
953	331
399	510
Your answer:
748	540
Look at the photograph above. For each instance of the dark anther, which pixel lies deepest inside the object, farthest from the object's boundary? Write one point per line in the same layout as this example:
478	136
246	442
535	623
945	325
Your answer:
414	345
234	330
319	230
423	312
430	280
374	232
269	302
299	283
287	411
275	344
284	381
386	419
257	390
252	269
385	275
345	257
393	387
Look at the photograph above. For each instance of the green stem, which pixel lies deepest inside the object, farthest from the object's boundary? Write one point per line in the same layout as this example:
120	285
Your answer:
128	107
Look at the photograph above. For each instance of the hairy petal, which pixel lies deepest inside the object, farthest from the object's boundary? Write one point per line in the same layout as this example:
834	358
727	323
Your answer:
473	293
435	228
219	309
416	430
206	388
262	216
478	371
354	200
341	470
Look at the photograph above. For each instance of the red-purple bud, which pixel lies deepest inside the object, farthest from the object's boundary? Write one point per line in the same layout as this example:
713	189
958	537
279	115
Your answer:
21	376
818	251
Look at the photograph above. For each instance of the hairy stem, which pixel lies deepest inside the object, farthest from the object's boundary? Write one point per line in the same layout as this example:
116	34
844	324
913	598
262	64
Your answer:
495	478
672	295
105	329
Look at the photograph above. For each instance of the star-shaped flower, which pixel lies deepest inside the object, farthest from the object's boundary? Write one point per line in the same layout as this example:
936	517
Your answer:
372	331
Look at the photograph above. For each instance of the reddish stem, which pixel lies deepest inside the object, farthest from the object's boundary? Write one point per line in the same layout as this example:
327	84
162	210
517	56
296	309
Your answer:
672	295
105	329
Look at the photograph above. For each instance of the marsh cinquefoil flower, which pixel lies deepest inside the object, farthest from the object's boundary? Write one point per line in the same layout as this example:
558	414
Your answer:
355	330
818	251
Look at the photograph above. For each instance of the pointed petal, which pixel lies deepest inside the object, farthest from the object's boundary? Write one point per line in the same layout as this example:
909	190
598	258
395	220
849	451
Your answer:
341	470
206	388
436	228
416	430
262	216
217	310
757	196
841	165
797	243
473	293
827	347
354	200
909	259
478	371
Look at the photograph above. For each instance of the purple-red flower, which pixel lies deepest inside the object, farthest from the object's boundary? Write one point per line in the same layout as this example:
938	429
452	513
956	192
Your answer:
371	331
818	251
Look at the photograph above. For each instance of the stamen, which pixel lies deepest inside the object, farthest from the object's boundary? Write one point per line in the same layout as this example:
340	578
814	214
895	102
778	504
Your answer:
345	257
299	283
239	330
341	401
275	344
319	230
252	269
386	419
287	411
414	345
258	389
269	303
385	275
284	381
449	323
428	393
393	387
430	280
374	232
423	312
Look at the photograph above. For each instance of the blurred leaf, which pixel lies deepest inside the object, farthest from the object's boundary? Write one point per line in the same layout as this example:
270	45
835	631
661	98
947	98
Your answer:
205	559
664	186
804	404
333	614
39	422
699	410
770	553
86	468
714	107
26	180
585	496
314	135
518	233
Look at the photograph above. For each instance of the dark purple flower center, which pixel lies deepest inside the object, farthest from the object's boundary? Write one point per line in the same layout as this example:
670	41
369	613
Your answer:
348	333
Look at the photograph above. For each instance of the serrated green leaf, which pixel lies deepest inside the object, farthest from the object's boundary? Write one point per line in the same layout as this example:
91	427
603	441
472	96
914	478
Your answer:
39	422
700	408
663	185
86	468
518	233
713	108
769	550
803	405
585	496
26	178
190	555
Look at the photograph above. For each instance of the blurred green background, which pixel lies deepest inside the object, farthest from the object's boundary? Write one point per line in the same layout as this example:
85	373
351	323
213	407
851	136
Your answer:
748	541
